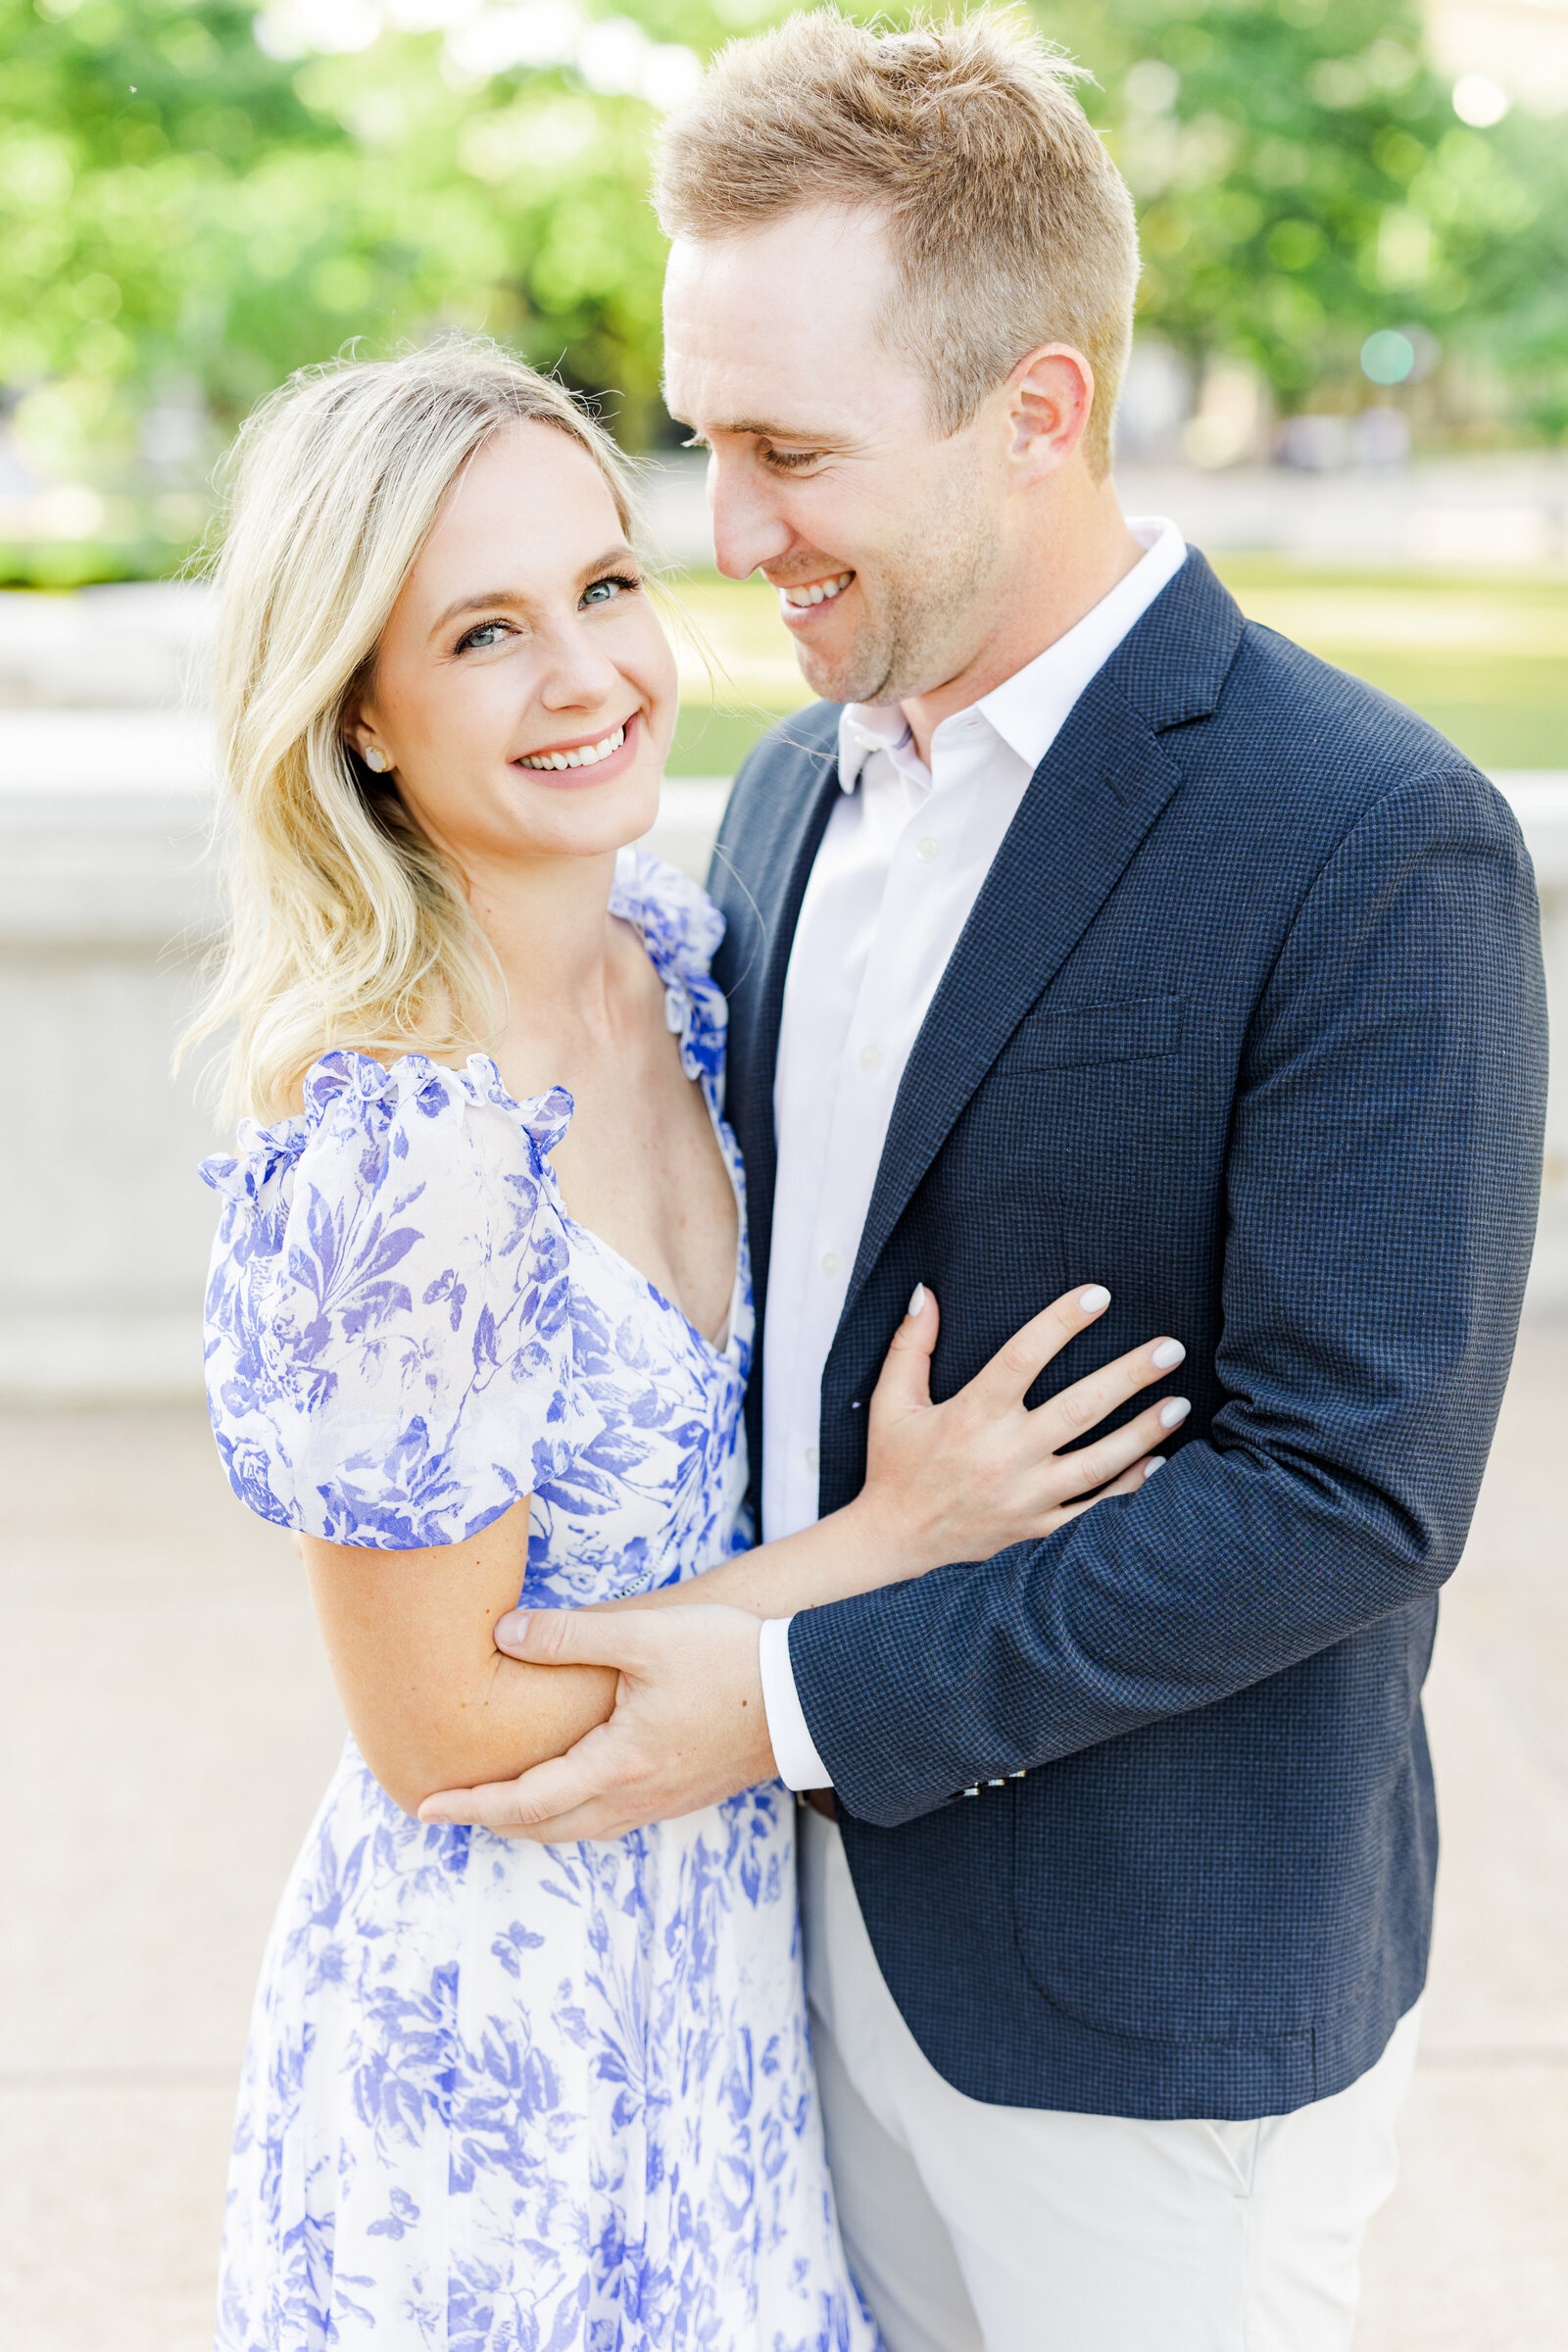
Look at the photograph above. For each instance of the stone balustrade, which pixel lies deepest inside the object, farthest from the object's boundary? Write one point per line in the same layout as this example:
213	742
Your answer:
106	910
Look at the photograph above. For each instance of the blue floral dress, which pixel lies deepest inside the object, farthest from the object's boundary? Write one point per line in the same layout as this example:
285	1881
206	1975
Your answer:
503	2097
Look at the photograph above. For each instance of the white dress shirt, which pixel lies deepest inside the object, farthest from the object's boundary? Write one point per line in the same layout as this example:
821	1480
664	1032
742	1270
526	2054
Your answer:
900	865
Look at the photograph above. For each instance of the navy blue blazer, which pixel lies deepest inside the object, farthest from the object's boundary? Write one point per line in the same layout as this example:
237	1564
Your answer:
1249	1024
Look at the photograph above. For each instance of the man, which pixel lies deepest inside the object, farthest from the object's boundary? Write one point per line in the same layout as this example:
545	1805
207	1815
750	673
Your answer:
1083	932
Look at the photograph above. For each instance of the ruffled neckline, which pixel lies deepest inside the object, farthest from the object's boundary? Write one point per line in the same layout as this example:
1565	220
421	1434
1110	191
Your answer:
680	928
379	1092
415	1082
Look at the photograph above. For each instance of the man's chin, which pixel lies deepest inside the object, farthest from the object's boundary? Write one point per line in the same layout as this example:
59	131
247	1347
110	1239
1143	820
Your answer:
849	679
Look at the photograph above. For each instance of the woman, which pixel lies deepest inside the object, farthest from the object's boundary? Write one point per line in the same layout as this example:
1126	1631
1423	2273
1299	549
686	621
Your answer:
480	1322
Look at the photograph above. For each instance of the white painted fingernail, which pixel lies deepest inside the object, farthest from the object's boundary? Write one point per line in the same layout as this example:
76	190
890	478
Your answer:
916	1298
1168	1355
1155	1461
1091	1302
1174	1409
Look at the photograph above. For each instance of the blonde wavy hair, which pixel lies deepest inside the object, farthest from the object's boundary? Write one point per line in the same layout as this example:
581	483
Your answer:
346	925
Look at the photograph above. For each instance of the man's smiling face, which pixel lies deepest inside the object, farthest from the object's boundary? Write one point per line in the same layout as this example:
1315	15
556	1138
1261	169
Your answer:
882	539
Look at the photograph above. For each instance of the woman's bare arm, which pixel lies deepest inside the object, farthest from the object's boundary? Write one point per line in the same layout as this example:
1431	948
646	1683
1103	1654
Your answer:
430	1700
434	1704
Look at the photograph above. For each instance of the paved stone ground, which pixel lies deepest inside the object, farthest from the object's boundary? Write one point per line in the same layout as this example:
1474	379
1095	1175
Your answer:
167	1725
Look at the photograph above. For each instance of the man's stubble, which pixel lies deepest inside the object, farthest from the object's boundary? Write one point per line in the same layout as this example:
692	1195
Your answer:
924	603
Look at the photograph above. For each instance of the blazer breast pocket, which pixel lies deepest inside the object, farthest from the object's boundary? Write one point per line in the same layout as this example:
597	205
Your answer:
1064	1037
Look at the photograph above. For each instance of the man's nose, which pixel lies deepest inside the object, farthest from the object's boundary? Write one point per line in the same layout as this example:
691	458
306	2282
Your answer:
747	528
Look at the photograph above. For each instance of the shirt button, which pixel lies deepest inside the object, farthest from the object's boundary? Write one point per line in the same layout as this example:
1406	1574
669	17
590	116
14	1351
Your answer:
925	849
870	1057
832	1263
811	1457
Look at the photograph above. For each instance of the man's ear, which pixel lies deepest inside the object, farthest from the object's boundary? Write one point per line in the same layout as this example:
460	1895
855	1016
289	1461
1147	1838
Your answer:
1050	395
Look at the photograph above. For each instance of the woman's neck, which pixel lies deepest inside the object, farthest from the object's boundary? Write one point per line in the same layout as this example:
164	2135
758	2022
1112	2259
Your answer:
548	922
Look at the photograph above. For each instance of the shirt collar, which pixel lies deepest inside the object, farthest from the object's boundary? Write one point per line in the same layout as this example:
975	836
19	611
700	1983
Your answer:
867	727
1027	710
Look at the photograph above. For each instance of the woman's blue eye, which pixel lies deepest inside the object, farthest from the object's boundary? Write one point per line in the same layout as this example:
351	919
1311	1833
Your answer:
603	591
480	640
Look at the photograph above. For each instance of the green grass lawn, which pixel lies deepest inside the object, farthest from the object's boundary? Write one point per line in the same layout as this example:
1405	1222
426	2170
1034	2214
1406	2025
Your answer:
1485	660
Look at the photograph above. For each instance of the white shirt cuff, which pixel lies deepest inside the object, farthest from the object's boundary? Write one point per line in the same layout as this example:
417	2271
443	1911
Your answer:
794	1749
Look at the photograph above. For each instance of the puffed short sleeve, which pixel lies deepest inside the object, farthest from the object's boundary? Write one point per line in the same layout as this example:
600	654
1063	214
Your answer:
389	1324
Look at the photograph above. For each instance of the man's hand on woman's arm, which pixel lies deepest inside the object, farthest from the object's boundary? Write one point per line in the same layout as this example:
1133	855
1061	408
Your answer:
689	1727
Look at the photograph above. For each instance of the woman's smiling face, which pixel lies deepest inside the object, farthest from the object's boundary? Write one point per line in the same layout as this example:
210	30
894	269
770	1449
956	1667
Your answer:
523	690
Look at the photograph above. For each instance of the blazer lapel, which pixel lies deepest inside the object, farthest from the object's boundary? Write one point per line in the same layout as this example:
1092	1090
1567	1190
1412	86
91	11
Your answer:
1092	799
760	880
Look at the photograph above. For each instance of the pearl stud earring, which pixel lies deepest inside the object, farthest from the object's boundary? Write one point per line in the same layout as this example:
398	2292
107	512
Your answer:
375	760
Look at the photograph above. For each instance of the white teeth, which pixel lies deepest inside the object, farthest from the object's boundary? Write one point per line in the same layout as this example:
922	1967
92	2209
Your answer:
821	591
587	756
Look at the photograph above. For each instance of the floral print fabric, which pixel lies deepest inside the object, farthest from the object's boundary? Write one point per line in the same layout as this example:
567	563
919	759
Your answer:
502	2097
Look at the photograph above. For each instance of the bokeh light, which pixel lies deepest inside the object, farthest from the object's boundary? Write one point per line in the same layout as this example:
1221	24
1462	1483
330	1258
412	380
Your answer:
1387	357
1480	101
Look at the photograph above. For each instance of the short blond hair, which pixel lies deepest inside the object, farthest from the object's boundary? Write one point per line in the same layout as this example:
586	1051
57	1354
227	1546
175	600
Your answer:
347	927
1011	226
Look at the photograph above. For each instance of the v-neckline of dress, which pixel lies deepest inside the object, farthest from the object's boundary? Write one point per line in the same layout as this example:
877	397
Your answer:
628	906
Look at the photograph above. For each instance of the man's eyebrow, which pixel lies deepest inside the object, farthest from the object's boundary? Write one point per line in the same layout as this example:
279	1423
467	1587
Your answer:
489	597
761	430
765	431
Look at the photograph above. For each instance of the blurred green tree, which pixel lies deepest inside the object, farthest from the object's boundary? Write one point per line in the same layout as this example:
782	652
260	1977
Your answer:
195	198
179	207
128	134
1304	182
